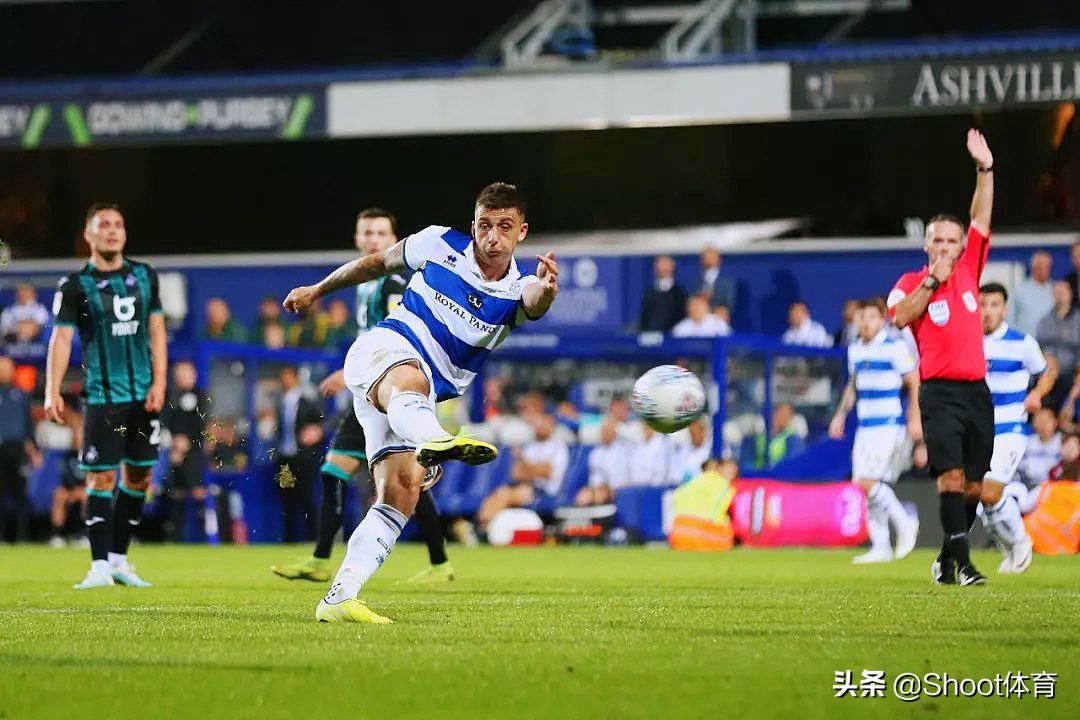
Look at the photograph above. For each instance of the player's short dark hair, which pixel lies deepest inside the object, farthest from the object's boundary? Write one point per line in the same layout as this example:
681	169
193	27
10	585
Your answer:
377	212
876	302
501	196
945	217
97	207
993	288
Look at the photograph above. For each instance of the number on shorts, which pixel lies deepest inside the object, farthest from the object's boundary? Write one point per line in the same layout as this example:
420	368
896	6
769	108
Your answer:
155	432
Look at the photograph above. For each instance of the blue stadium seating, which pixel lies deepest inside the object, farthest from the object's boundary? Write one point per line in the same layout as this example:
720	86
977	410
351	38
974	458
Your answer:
577	475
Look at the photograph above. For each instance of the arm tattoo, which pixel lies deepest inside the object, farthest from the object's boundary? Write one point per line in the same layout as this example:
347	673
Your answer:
394	257
358	271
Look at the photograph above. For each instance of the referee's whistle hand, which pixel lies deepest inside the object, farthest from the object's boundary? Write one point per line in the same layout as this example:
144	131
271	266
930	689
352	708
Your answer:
942	268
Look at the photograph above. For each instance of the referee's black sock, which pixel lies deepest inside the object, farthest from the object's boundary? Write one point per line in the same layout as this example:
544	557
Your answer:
427	514
99	515
954	523
333	498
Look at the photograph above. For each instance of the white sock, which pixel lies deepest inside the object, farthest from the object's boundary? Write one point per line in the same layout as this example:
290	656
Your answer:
117	560
100	566
877	527
368	547
412	416
885	496
1004	523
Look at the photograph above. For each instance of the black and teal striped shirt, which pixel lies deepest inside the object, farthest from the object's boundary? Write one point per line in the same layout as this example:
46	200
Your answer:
376	298
111	311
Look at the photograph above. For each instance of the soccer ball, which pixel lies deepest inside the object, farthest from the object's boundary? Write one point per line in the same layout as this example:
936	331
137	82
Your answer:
668	398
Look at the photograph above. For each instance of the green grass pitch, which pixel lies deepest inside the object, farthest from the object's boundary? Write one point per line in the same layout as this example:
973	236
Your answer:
526	633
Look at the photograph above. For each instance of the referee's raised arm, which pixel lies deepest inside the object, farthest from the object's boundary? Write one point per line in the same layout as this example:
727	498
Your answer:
982	202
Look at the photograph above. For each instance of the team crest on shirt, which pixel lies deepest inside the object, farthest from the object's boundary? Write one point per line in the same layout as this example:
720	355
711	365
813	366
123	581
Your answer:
969	301
91	455
130	281
939	312
475	300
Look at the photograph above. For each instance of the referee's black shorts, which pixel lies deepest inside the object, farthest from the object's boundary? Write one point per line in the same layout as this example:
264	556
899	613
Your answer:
958	425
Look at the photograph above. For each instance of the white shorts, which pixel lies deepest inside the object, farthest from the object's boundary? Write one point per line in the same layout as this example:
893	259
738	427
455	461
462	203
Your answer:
874	456
1009	449
371	356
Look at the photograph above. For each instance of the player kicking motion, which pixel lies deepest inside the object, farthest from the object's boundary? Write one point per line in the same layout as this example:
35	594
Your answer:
464	299
113	302
376	231
878	366
1012	360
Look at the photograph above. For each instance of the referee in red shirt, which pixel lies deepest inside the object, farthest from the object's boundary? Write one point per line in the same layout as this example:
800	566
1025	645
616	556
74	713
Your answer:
940	304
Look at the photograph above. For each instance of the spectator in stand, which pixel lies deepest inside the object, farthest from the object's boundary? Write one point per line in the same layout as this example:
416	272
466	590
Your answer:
653	461
717	288
274	336
804	330
26	311
16	446
185	418
1073	278
699	322
269	314
1033	298
341	327
226	451
665	302
220	325
537	471
629	428
1069	467
311	330
1043	449
849	325
1067	416
784	441
299	448
568	418
691	456
1058	334
609	467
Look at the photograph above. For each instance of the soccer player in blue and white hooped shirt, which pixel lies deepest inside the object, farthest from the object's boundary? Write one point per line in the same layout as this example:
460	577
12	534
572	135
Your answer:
878	368
1012	359
464	299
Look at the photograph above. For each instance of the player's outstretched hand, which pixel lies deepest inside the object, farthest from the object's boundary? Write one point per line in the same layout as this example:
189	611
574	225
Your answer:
155	399
547	270
54	409
979	149
333	384
300	298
